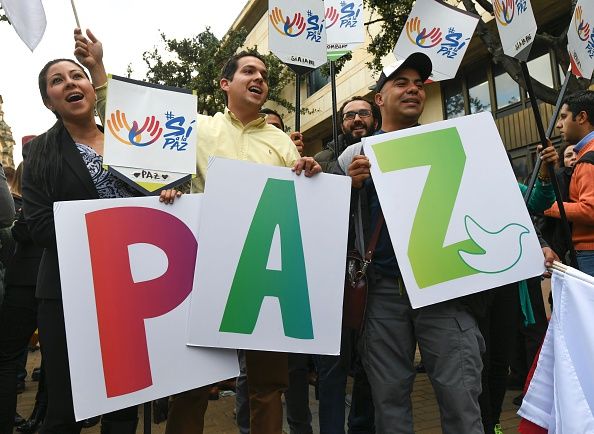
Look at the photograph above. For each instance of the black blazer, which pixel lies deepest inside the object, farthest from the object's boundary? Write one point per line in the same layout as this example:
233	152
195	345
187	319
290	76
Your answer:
22	267
73	183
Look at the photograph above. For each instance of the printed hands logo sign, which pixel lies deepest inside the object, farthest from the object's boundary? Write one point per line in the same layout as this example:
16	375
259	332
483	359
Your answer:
117	123
176	137
287	26
449	46
504	11
422	38
582	28
349	15
484	250
332	16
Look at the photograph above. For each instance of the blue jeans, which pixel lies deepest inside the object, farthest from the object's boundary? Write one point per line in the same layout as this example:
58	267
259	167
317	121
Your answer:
585	260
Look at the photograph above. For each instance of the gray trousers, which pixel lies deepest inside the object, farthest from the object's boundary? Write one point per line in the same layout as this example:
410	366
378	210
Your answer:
450	345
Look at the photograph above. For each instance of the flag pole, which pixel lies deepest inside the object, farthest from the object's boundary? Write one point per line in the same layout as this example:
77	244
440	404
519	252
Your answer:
75	13
297	101
334	108
552	177
552	124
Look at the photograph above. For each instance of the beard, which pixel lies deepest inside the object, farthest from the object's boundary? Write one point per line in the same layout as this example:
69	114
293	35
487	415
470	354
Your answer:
350	139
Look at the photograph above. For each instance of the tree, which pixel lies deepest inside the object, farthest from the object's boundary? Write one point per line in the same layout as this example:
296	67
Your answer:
393	15
196	64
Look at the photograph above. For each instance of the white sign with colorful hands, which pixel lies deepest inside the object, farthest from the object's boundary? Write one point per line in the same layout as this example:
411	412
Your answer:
580	40
150	134
516	25
297	32
440	31
344	26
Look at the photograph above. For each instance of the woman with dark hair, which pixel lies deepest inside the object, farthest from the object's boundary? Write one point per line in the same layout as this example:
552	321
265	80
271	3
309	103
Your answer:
66	163
552	228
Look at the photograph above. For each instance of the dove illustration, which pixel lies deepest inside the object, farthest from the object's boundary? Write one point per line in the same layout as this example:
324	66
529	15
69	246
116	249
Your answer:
503	248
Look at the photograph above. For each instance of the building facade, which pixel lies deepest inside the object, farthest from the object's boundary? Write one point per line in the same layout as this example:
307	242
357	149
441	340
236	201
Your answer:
480	85
6	141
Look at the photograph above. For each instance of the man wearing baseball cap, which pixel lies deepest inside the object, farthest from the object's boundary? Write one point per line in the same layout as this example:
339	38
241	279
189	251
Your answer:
447	334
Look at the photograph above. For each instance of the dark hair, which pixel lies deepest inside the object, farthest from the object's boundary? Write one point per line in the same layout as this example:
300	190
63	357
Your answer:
581	101
230	66
42	79
45	152
269	111
561	154
375	111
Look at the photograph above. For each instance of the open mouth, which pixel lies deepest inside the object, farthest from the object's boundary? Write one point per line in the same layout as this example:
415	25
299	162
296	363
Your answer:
410	101
74	97
256	90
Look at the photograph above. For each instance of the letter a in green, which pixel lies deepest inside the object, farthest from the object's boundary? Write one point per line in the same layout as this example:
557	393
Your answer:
253	281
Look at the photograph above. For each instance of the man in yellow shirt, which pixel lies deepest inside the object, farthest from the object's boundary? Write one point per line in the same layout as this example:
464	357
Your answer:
241	133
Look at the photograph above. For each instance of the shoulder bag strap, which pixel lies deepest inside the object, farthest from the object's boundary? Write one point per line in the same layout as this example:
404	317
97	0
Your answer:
374	238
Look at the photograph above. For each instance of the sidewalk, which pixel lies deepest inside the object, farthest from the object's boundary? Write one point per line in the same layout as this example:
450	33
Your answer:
219	417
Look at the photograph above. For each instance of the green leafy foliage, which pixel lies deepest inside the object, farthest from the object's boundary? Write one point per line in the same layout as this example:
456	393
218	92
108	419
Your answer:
195	63
392	15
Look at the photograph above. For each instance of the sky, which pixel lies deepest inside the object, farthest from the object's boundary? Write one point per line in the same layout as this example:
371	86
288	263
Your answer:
127	28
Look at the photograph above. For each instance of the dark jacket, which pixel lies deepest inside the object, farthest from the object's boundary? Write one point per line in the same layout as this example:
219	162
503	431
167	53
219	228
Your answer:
327	157
73	183
24	264
6	203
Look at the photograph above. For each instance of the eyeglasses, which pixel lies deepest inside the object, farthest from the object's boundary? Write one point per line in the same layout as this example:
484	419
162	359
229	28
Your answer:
363	113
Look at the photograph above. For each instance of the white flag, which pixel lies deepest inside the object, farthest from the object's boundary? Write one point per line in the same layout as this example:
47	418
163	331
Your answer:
560	397
28	19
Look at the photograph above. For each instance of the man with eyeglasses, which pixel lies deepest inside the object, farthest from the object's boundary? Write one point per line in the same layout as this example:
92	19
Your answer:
447	334
358	118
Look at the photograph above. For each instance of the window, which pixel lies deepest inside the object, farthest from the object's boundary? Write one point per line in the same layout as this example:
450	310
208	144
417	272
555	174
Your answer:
487	87
478	91
540	69
507	91
315	81
453	99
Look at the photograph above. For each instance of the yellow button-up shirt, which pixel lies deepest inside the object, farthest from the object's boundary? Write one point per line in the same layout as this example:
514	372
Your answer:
223	135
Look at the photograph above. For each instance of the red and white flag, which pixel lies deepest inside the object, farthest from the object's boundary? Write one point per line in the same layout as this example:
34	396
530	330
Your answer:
560	397
28	19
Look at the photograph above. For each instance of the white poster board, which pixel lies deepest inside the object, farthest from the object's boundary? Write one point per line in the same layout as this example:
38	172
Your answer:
296	32
439	30
516	25
453	207
580	40
345	29
150	133
271	261
127	269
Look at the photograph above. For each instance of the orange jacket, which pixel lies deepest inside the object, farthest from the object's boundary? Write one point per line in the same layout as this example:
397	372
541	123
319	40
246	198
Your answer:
580	211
